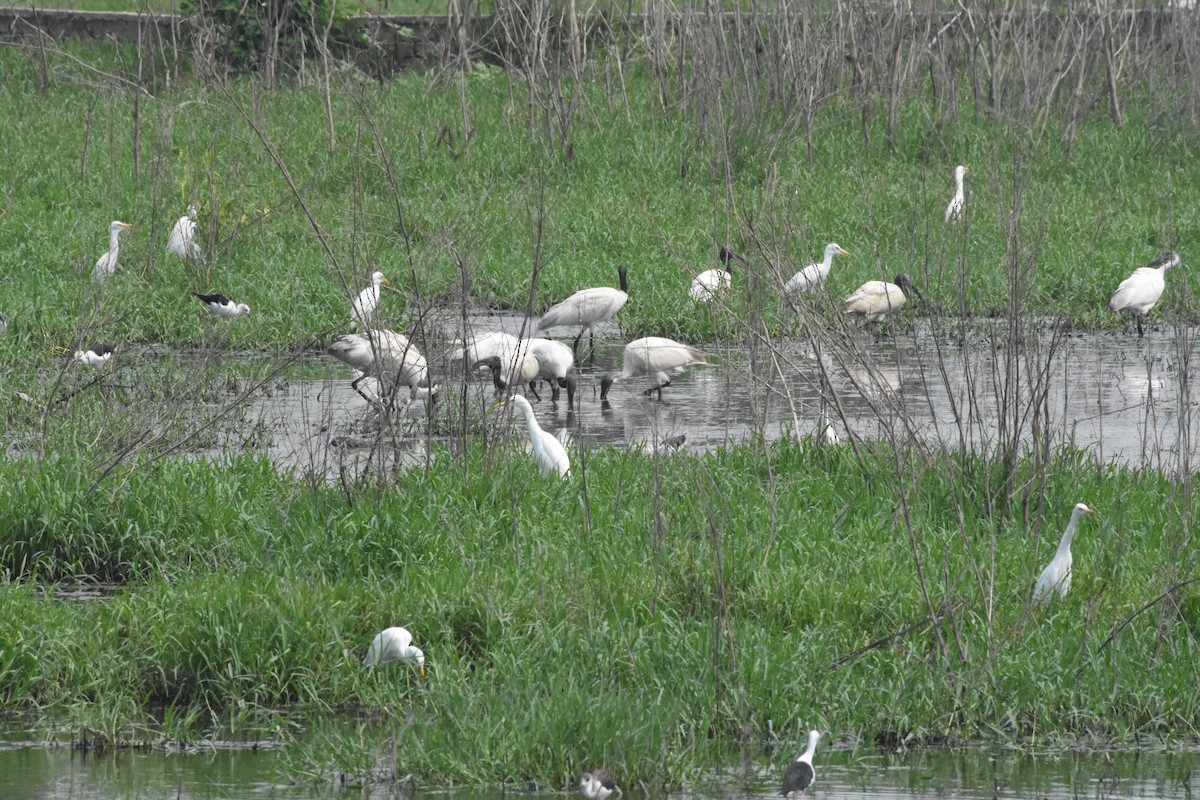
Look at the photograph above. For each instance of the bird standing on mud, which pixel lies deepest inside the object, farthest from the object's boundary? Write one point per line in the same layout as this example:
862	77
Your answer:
597	784
800	773
1142	290
711	282
1056	577
588	308
954	211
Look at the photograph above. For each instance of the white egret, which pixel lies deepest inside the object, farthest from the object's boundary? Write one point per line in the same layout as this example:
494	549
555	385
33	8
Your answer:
800	773
555	362
875	300
382	354
954	211
653	355
1056	577
548	451
182	239
106	265
813	275
711	282
1141	291
395	644
3	324
597	784
222	306
95	356
588	308
363	307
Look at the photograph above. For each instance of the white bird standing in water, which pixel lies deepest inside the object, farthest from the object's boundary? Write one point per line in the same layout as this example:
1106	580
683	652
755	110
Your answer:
814	275
107	263
363	307
954	211
597	784
653	355
876	300
182	240
800	773
95	356
222	306
1142	290
711	282
555	362
395	644
383	354
587	308
1056	577
548	451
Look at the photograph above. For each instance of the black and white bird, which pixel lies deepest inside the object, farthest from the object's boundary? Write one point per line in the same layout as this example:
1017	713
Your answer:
96	356
954	211
221	305
1056	577
106	265
555	365
395	644
708	284
587	309
656	356
363	307
877	300
182	239
812	276
1142	290
800	773
597	784
508	357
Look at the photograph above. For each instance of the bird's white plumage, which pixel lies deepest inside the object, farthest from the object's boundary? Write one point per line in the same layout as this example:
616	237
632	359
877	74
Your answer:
106	265
395	644
656	356
709	284
813	275
1142	290
516	362
1056	577
588	308
222	306
801	773
555	362
363	307
955	209
95	356
876	300
383	354
182	239
548	451
597	785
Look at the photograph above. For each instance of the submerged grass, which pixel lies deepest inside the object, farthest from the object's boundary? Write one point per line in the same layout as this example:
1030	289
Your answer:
656	640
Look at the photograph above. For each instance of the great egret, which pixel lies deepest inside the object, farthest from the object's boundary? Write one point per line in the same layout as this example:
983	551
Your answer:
383	354
655	356
96	356
800	773
221	305
548	451
813	275
876	300
106	265
587	308
395	644
182	240
597	784
1141	291
955	209
555	362
1056	577
363	307
711	282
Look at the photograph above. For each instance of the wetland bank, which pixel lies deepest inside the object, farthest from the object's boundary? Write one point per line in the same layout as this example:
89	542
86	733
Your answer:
665	613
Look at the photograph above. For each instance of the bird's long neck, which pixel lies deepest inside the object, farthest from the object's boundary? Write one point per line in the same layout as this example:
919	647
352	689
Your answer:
807	755
531	423
1064	544
958	183
827	264
624	281
114	240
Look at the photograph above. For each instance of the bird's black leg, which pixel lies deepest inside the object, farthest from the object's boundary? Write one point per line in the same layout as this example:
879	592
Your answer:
554	391
1138	317
533	389
354	386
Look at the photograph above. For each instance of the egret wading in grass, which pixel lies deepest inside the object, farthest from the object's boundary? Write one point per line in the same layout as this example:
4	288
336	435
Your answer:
182	239
877	300
555	363
548	451
106	265
395	644
597	784
1056	577
711	282
363	307
382	354
222	306
588	308
812	276
96	356
800	773
655	356
954	211
1142	290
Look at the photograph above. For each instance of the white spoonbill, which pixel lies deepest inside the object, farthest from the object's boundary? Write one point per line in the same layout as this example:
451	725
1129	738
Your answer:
1142	290
954	211
654	356
876	300
800	773
95	356
507	357
814	275
182	239
711	282
384	354
221	305
106	265
548	451
597	784
1056	577
363	307
395	644
588	308
555	363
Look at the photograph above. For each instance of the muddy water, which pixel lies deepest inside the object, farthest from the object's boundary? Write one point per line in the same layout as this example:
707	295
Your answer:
222	771
1118	397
